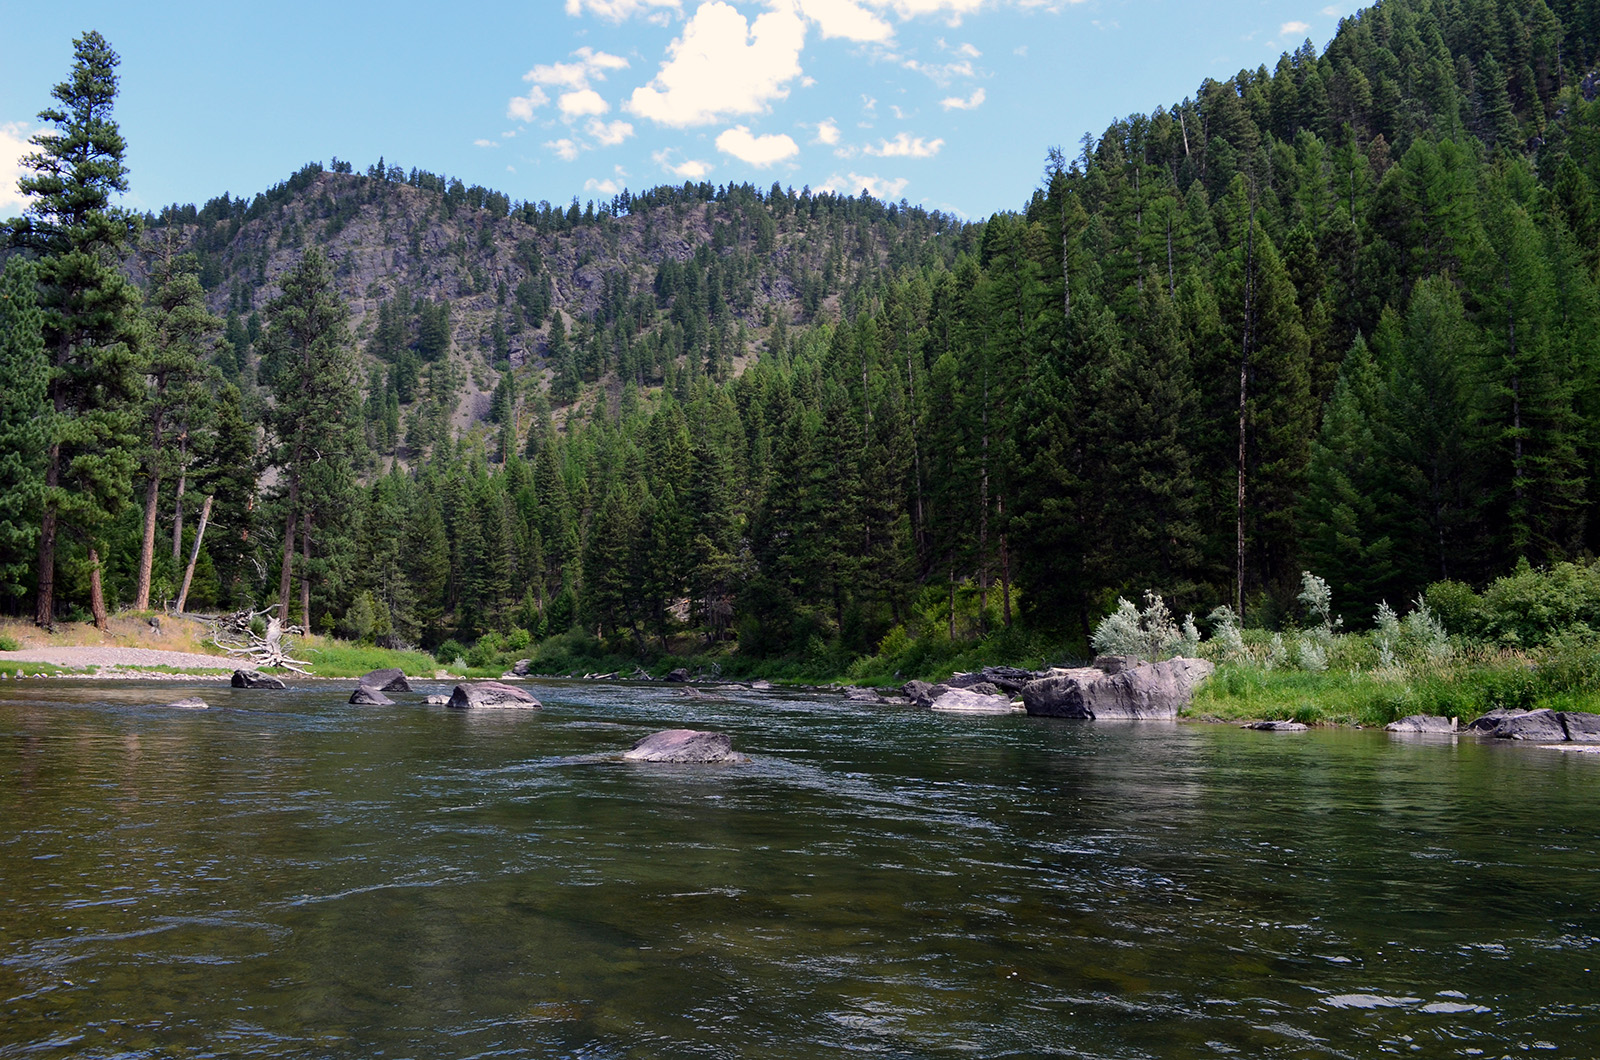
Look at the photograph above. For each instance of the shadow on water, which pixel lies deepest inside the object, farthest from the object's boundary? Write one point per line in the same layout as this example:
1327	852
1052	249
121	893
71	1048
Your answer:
288	875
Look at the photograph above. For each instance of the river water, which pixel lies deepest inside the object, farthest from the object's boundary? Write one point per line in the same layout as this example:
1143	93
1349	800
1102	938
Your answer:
286	875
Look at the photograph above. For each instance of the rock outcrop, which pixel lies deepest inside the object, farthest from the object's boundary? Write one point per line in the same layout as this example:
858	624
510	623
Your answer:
255	679
1425	723
685	746
972	701
1539	726
1117	688
391	680
491	694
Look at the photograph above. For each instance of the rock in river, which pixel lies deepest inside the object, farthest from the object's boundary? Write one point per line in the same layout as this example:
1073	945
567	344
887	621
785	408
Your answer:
255	679
189	703
1427	723
490	694
1117	688
391	680
1275	726
684	745
368	696
968	701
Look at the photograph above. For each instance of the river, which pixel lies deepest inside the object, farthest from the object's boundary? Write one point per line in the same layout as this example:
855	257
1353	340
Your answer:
285	875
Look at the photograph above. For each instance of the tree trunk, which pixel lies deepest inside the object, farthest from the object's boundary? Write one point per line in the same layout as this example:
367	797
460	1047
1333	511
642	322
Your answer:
194	554
177	506
1244	393
45	611
147	547
97	596
287	573
305	571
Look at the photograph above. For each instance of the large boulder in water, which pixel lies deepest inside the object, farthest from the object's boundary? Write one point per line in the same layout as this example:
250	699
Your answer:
969	701
1137	692
1537	726
684	745
189	703
255	679
491	694
368	696
923	694
1581	728
1424	723
390	680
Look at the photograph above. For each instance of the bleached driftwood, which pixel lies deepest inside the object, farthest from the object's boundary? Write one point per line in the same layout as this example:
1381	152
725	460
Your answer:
235	636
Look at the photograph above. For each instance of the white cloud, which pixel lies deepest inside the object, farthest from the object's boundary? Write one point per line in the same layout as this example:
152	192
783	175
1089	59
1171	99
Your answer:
1333	11
13	145
724	65
602	187
906	146
609	134
942	73
847	19
484	143
972	102
617	10
758	151
1293	29
878	187
828	132
565	149
691	169
952	10
521	108
578	99
583	103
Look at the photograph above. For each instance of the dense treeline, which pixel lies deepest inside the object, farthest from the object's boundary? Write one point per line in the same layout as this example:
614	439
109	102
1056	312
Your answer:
1342	315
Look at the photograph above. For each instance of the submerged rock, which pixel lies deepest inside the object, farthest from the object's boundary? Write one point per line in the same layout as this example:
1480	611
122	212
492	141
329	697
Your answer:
255	679
490	694
368	696
1125	689
684	745
972	701
390	680
1423	723
189	703
1276	726
438	701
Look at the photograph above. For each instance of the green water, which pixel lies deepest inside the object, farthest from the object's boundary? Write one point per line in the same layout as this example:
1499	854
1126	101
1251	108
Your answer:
286	875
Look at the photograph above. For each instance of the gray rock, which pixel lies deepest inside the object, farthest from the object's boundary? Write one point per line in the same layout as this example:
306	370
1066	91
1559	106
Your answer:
1536	726
1275	726
438	701
1115	664
490	694
522	667
921	693
1581	728
189	703
684	745
1140	692
390	680
255	679
678	676
1422	723
1490	721
971	701
368	696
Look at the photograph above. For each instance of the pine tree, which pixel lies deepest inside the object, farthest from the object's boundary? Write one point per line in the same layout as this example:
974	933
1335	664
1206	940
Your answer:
24	423
91	324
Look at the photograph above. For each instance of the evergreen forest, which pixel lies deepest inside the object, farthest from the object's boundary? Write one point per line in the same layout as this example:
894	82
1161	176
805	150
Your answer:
1339	316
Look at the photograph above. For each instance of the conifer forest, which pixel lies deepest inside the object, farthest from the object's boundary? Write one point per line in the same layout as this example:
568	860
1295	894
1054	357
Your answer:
1340	316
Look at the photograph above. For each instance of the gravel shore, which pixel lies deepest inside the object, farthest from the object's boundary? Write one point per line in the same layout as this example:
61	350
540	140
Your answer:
113	661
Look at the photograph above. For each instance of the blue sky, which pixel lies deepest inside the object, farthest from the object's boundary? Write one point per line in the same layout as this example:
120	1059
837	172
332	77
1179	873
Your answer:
950	104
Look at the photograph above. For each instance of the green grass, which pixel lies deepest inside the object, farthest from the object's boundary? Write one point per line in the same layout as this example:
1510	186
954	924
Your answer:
338	658
11	668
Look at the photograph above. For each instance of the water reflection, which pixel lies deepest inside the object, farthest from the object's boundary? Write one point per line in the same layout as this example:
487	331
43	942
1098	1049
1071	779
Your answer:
292	876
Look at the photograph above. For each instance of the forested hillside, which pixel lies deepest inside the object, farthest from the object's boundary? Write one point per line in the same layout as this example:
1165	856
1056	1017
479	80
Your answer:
1340	315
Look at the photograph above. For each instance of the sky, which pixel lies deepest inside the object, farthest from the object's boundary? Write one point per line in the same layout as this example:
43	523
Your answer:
951	105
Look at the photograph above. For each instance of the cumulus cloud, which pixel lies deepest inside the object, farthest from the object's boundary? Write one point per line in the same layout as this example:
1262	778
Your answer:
855	183
618	10
724	65
565	149
906	146
689	169
578	99
583	103
484	143
952	10
828	132
609	134
972	102
758	151
602	187
847	19
13	145
1294	29
942	73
